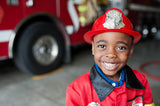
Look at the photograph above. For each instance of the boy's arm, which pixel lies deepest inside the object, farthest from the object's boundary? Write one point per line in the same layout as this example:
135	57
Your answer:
72	97
148	100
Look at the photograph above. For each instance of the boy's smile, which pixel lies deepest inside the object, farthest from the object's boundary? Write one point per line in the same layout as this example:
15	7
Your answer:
111	51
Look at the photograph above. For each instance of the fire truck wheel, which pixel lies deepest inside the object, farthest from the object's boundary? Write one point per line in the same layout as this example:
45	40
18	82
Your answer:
40	49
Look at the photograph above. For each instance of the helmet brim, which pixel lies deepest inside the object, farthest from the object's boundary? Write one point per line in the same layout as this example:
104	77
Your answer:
89	35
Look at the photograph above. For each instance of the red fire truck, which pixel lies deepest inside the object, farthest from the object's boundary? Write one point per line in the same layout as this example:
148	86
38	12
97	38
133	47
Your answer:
38	34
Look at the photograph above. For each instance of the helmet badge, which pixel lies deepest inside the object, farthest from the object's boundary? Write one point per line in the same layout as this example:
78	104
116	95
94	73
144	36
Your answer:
114	20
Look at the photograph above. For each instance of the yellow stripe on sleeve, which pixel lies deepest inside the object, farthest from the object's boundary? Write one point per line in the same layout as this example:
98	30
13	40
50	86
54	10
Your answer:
149	104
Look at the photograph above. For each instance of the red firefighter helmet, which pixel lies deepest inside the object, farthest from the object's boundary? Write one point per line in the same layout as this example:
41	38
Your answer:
112	21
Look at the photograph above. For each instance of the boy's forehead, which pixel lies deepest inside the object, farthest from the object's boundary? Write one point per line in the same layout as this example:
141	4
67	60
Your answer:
112	35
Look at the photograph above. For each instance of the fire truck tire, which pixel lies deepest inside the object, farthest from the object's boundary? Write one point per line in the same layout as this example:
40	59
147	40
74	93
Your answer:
40	49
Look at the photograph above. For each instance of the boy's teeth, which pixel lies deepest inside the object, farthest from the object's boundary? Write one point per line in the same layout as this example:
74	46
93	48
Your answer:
109	65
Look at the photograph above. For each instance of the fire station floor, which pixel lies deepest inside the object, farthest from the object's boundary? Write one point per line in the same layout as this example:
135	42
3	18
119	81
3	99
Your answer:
20	89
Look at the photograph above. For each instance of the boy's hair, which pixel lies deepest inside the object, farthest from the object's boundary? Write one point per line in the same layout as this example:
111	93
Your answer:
112	21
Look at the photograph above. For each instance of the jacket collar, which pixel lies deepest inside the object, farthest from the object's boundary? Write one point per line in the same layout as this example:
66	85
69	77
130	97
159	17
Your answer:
103	88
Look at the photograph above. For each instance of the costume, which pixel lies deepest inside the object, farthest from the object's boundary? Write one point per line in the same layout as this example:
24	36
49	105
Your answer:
91	88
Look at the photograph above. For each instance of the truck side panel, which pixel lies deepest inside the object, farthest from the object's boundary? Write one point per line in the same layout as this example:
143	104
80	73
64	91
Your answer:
4	50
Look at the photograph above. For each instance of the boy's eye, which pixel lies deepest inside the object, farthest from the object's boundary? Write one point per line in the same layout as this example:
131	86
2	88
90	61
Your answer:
122	48
101	46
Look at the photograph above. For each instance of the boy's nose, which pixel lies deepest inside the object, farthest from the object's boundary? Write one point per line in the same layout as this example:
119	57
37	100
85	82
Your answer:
110	55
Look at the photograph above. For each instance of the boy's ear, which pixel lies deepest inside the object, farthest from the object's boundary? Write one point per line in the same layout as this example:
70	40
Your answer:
92	48
131	51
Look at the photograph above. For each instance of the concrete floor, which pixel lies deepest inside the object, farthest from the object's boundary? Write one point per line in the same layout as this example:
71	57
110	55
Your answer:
20	89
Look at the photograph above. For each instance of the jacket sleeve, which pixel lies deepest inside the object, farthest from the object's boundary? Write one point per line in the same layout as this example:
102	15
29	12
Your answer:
147	94
72	97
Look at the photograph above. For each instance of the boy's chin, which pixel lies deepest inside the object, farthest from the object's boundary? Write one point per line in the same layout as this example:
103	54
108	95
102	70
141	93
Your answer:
113	75
109	73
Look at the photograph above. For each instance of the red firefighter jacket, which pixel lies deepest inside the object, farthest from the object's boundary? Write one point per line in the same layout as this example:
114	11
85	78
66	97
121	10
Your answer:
91	88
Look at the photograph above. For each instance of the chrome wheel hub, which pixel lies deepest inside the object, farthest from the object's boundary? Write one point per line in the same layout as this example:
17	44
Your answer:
45	50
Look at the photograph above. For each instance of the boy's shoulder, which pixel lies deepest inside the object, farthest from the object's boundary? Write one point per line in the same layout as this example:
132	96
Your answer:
142	78
81	81
138	73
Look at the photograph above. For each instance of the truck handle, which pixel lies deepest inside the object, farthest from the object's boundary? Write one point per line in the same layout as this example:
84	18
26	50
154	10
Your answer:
29	3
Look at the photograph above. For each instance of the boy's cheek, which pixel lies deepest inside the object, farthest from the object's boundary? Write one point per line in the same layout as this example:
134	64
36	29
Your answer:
98	54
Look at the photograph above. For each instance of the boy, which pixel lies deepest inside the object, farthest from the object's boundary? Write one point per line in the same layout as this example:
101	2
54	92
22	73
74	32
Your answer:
111	82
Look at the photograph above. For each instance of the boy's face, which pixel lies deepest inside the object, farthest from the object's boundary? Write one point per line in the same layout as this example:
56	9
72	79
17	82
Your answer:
111	51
